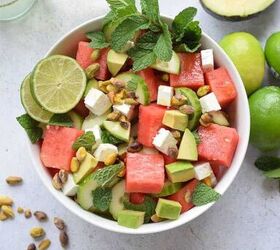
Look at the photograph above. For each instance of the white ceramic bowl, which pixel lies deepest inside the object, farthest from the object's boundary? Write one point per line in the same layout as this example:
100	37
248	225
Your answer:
239	112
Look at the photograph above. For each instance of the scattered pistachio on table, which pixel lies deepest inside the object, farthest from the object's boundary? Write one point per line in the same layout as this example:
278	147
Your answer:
13	180
5	200
40	216
31	246
63	238
44	244
59	223
37	232
27	213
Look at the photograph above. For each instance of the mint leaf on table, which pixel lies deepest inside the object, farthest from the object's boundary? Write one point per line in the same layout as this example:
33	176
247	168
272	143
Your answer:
204	194
31	127
108	176
266	163
98	40
275	173
102	198
107	137
63	120
86	140
148	206
150	9
126	30
163	48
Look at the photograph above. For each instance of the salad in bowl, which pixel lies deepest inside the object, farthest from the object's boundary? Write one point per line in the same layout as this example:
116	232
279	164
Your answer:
134	119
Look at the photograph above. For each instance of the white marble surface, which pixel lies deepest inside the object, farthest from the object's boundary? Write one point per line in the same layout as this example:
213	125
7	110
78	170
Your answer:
245	218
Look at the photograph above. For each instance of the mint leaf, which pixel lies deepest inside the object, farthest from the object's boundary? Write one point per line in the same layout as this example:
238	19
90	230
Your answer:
187	48
63	120
196	137
108	176
143	59
183	18
98	40
275	173
86	140
126	30
31	127
107	137
132	85
150	9
26	121
148	206
118	4
266	163
108	18
204	194
163	48
102	198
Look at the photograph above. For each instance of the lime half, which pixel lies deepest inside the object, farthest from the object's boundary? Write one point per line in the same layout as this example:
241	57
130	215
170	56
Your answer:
30	105
58	83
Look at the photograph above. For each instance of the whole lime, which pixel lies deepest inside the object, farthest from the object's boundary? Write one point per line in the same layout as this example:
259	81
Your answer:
272	53
265	118
247	54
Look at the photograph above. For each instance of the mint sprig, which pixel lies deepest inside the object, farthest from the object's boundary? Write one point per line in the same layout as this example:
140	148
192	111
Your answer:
204	194
86	140
63	120
98	40
107	137
102	198
31	127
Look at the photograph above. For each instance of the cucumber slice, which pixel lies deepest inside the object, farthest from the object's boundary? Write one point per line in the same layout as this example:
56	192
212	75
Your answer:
77	119
235	10
172	67
136	83
91	84
84	194
169	188
118	193
194	102
117	130
91	120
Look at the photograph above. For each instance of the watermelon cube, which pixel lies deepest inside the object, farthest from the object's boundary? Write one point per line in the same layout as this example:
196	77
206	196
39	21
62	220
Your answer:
103	73
222	85
184	195
217	144
150	78
150	121
83	54
168	159
56	150
191	75
144	173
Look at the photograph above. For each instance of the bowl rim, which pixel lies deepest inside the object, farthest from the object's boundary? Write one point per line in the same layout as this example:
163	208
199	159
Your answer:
221	187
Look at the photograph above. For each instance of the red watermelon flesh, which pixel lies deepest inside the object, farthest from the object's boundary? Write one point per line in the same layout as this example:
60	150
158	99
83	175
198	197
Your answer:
222	85
191	74
144	173
183	196
103	73
150	121
217	144
56	151
168	159
83	54
219	171
81	109
136	198
150	78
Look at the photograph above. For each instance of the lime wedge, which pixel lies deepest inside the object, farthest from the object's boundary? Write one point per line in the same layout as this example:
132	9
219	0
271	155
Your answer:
58	83
30	105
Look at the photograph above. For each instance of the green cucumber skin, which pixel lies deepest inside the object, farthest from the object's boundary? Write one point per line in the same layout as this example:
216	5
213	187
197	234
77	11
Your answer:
231	18
77	119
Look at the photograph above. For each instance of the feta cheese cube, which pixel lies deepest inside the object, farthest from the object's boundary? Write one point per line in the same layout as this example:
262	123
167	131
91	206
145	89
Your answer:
165	94
96	130
97	102
164	140
207	60
70	188
125	109
202	170
209	103
104	150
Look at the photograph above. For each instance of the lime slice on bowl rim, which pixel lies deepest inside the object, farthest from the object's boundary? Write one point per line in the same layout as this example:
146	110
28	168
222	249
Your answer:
58	83
30	105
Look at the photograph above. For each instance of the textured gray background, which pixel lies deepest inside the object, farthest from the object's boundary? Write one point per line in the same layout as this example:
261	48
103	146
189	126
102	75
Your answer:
245	218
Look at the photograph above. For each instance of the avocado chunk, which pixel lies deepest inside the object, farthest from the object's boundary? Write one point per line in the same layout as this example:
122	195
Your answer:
86	167
131	219
118	193
77	119
91	84
115	61
172	67
175	119
117	130
169	188
168	209
194	102
180	171
188	147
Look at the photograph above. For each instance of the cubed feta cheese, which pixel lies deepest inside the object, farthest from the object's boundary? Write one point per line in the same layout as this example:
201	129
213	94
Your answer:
202	170
209	103
70	188
96	130
165	94
164	140
104	150
207	60
125	109
97	102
